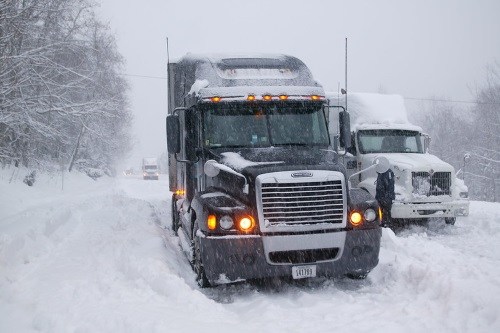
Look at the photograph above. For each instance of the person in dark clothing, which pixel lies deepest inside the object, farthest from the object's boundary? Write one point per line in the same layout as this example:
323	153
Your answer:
384	192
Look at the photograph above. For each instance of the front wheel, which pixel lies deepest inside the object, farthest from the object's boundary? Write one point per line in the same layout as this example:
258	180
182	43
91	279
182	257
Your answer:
450	220
198	267
357	276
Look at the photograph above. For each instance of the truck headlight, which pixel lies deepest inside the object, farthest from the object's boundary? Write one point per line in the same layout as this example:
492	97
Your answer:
356	219
370	215
226	222
246	223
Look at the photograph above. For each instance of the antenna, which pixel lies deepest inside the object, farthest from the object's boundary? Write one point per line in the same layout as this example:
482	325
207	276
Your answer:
168	55
346	73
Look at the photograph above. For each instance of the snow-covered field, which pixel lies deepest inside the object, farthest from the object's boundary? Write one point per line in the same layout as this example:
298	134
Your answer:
94	258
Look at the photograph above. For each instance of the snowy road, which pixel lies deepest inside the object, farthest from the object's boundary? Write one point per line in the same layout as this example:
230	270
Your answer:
92	258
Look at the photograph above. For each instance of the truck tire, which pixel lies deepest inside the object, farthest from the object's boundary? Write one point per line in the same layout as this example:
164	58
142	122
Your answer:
450	220
357	276
175	216
198	268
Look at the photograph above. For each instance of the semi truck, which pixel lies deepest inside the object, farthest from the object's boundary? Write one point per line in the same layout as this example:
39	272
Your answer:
425	186
150	168
257	189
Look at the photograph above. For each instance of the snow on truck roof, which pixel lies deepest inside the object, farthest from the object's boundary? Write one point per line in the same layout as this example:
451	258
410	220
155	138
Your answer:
374	111
237	76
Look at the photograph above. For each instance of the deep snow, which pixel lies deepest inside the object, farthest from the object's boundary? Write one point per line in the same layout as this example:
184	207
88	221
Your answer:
95	258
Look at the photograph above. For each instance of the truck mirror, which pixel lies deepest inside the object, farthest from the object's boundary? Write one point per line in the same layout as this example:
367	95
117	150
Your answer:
427	142
173	134
345	129
210	168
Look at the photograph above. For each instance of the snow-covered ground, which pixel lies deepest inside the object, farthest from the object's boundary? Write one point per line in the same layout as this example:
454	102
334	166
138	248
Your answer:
93	257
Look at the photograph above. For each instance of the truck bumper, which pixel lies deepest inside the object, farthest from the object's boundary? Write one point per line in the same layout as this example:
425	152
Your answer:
235	258
430	209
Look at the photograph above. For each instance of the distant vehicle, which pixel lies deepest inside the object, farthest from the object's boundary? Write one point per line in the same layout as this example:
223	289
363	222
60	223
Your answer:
150	168
128	172
426	187
258	192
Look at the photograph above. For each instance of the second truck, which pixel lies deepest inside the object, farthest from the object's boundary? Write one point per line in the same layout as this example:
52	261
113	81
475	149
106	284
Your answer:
258	191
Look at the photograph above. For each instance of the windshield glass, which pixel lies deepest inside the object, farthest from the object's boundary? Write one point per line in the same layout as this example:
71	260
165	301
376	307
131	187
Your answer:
243	125
150	167
389	141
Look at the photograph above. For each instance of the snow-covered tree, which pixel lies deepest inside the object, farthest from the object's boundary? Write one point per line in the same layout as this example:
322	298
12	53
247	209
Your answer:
61	95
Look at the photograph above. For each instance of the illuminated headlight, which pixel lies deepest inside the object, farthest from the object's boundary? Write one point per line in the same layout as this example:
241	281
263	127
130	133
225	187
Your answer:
370	215
356	219
464	195
226	222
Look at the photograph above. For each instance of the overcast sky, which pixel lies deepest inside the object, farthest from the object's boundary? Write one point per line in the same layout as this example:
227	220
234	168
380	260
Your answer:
418	48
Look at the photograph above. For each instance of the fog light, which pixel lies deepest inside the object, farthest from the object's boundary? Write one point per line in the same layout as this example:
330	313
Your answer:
370	215
226	222
356	219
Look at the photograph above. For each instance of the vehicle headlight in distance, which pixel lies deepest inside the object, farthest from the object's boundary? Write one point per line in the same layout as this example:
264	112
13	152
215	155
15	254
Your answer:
370	215
226	222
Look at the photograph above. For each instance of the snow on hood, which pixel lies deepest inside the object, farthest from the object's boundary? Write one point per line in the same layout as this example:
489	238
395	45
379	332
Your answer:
238	163
197	85
417	162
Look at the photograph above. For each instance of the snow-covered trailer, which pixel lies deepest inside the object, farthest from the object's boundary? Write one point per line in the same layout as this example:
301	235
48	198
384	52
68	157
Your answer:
258	191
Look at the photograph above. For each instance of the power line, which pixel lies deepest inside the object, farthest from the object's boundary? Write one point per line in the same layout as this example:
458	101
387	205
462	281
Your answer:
410	98
450	101
145	76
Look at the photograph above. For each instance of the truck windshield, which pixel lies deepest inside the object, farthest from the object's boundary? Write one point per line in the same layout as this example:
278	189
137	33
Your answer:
389	141
267	125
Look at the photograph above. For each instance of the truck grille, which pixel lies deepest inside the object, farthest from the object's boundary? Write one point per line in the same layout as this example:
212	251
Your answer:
439	183
302	203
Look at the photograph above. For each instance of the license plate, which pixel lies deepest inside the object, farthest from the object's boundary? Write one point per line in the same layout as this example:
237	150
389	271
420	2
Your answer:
300	272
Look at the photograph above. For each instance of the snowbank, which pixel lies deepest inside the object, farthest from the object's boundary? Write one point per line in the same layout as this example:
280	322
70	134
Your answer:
94	257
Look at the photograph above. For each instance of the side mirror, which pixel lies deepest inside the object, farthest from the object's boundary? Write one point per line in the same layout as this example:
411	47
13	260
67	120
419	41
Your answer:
345	129
426	142
211	168
173	134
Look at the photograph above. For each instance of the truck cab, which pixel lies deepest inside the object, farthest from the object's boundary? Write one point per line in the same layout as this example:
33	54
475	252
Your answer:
425	186
258	190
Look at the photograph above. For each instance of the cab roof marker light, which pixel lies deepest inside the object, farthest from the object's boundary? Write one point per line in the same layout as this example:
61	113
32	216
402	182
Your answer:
283	97
267	97
251	98
215	99
315	97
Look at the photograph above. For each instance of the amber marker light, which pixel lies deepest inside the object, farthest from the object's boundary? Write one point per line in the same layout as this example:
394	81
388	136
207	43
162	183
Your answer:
215	99
356	219
315	97
211	222
380	215
283	97
251	98
267	97
180	192
246	223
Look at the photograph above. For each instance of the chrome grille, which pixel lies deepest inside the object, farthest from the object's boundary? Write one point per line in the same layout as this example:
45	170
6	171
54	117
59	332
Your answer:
302	203
439	183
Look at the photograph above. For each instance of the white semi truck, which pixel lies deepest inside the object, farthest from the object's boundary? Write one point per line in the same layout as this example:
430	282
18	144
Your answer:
150	168
425	186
